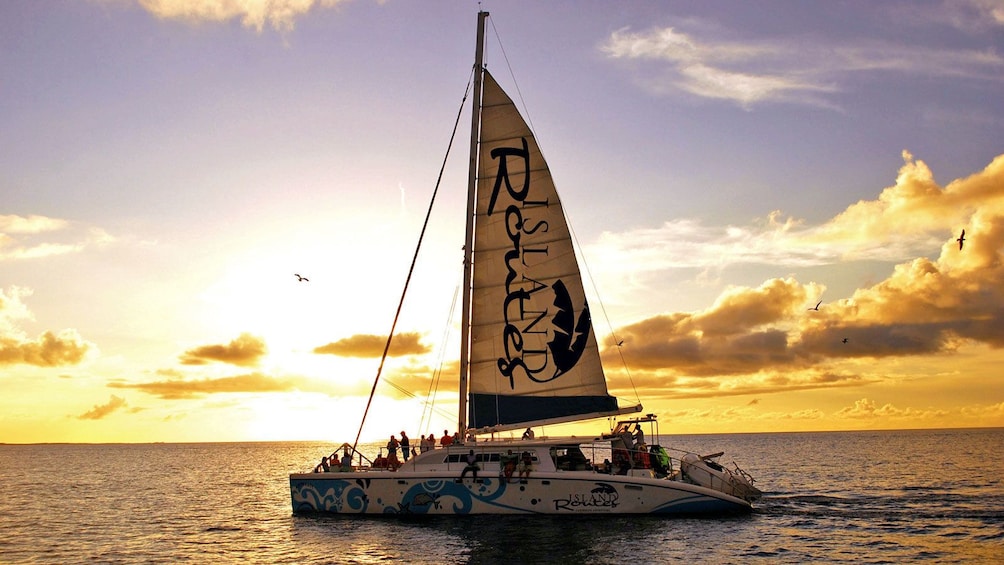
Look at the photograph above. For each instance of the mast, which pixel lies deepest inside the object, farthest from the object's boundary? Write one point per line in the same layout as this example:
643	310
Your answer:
472	181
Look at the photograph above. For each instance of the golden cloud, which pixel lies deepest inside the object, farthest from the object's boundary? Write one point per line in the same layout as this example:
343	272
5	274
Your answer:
762	339
245	351
914	213
102	410
49	350
740	309
400	383
363	345
867	409
175	389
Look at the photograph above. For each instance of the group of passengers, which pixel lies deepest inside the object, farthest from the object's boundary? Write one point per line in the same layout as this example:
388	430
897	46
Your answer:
392	462
636	454
508	463
333	463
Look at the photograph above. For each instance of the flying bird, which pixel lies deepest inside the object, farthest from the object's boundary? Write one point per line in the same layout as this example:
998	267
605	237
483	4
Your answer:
301	278
817	306
845	340
961	239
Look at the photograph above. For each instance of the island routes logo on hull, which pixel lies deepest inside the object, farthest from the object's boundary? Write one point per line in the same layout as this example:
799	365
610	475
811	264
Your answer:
603	496
523	308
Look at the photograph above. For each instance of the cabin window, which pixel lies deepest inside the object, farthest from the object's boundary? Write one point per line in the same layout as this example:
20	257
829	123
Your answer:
570	458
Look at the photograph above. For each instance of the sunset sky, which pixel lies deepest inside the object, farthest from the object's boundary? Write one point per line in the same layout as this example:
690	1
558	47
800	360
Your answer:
166	166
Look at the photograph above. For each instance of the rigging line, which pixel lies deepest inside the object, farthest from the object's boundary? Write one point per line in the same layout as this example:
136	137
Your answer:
603	308
434	382
512	74
414	259
411	394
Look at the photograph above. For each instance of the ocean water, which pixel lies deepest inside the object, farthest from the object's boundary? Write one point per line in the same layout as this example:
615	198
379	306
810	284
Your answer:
837	497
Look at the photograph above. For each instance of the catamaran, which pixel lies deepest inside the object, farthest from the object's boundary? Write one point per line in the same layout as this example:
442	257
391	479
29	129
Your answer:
529	358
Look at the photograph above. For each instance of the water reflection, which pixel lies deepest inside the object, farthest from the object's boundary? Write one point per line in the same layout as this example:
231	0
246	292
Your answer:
486	539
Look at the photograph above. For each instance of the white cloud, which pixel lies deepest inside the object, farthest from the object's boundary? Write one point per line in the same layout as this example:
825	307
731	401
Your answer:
279	14
785	70
34	237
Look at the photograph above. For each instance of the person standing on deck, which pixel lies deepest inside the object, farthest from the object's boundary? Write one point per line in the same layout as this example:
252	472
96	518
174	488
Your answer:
392	446
639	437
405	446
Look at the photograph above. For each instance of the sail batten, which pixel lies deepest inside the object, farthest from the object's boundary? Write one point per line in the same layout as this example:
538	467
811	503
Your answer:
533	351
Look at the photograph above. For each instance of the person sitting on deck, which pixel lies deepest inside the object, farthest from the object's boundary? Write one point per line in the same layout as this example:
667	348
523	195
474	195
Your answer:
346	461
507	464
622	461
660	461
528	434
472	465
525	465
322	467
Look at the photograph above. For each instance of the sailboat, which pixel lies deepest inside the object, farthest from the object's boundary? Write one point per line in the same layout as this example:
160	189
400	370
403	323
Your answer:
529	358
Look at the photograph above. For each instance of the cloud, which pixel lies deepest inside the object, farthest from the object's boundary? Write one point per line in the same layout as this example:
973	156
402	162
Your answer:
102	410
911	218
741	333
915	209
802	71
50	349
398	383
245	351
993	412
36	237
408	343
970	16
763	339
30	224
256	14
175	389
866	409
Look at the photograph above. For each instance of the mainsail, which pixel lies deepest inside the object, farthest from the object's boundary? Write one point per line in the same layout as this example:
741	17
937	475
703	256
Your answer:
534	356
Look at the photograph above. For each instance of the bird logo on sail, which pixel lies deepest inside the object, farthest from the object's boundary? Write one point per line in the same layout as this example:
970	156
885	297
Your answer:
565	350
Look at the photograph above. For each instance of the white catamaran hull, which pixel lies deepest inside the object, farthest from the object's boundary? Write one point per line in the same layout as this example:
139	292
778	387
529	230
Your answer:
543	493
